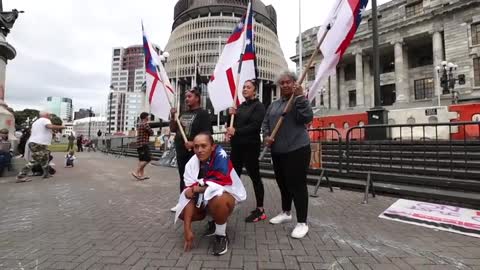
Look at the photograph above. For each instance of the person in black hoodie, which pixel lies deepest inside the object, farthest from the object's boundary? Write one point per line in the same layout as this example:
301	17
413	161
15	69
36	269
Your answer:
245	141
194	121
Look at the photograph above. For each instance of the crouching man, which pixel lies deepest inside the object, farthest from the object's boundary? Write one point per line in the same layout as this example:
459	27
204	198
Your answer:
213	187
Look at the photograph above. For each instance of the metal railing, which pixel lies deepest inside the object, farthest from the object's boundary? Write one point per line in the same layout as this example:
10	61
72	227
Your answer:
449	150
320	138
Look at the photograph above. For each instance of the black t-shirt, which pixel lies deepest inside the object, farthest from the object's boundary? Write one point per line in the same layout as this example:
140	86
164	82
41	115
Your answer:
193	122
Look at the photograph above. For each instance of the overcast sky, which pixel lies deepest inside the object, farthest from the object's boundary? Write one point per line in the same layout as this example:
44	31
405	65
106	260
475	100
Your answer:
64	46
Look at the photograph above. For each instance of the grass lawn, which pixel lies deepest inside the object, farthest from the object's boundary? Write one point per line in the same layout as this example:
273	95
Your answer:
58	147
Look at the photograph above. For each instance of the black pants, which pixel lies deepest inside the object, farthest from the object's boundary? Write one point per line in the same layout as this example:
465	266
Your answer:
79	147
248	155
181	162
291	175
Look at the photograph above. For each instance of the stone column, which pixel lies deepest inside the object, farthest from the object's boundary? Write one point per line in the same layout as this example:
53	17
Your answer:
438	57
401	82
341	87
359	78
7	52
260	91
333	92
367	83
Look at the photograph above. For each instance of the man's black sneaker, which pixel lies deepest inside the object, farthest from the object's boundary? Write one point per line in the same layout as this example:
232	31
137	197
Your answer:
220	246
210	228
256	215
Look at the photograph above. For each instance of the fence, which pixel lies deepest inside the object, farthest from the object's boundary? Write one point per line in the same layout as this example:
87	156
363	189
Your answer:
416	149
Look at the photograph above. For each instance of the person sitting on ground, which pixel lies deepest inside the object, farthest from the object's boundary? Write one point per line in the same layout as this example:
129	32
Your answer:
212	186
69	158
5	151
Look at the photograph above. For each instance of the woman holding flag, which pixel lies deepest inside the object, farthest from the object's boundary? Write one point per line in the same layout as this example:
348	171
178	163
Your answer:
194	121
290	150
245	141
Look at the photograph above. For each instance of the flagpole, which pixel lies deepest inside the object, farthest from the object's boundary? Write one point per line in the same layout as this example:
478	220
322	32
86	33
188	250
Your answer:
300	41
182	132
299	82
195	70
244	44
219	54
176	85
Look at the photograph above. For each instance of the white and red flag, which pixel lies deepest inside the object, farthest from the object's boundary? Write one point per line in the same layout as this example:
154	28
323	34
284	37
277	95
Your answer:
344	21
223	84
160	92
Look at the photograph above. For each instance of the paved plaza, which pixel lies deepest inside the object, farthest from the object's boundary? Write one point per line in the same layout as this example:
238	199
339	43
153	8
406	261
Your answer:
95	216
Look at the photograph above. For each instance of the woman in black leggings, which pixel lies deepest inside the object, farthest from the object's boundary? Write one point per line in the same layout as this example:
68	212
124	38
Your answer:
245	142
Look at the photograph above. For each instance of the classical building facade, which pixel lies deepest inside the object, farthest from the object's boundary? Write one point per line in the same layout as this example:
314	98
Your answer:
415	37
201	28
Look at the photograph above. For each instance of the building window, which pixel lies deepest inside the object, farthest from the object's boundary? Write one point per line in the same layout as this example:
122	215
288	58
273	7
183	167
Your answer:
476	33
476	71
424	88
116	52
414	9
311	74
352	98
350	72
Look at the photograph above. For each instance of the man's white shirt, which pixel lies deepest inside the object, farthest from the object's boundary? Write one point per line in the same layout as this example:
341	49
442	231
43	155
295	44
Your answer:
40	133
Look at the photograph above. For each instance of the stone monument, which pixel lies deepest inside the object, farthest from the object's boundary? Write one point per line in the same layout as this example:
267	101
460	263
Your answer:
7	52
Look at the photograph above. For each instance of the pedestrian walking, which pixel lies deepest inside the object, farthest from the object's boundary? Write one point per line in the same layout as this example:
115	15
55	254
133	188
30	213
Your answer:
143	139
71	141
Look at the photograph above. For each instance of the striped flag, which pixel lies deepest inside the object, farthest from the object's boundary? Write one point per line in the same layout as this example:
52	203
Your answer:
344	22
159	90
222	85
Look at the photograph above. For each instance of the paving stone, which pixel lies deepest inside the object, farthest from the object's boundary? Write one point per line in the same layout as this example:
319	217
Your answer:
99	218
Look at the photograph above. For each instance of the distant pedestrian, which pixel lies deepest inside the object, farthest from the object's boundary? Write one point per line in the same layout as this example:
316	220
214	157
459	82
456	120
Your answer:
38	144
143	140
71	141
23	141
80	143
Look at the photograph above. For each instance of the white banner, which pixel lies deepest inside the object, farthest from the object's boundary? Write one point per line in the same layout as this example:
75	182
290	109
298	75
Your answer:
437	216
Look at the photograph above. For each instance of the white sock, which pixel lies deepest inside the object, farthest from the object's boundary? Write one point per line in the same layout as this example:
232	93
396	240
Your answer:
220	229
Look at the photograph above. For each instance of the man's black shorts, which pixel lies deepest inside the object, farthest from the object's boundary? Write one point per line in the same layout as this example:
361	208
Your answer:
144	153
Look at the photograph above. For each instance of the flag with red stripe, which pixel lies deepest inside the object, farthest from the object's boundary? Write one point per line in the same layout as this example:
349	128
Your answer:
240	44
159	91
344	21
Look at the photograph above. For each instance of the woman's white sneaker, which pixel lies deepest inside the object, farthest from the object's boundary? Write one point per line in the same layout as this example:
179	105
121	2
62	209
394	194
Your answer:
174	209
281	218
300	230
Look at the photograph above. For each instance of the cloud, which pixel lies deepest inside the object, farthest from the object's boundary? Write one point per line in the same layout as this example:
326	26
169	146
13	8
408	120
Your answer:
64	46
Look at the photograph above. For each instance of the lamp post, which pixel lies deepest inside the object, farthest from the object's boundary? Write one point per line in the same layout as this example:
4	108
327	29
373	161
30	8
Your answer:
89	122
448	80
110	97
376	115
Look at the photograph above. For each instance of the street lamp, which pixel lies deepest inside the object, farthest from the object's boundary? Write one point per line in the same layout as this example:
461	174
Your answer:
110	97
448	80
